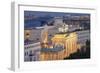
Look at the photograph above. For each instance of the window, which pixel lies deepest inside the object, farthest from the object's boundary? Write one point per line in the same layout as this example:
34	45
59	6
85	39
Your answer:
25	53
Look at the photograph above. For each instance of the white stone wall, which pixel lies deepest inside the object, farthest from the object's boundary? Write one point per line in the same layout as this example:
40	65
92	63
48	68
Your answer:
34	49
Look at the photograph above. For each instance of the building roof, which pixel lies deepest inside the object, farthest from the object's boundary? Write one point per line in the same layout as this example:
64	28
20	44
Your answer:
53	50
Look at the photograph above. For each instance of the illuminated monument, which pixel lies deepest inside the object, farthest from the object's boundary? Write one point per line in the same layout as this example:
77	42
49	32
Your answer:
44	37
62	44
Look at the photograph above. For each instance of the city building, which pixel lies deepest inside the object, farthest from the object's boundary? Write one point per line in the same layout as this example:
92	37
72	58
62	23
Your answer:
83	36
31	46
62	45
32	51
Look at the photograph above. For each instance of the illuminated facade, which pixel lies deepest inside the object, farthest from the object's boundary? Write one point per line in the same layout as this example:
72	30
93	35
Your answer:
62	44
68	41
52	54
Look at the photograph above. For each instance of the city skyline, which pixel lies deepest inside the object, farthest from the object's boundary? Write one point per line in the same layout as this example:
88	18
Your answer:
35	18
